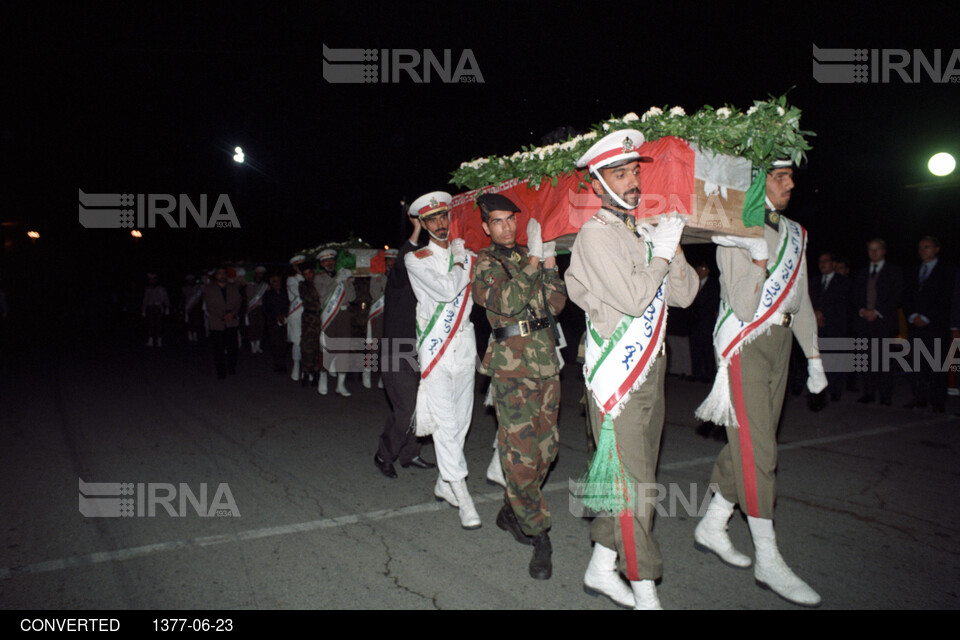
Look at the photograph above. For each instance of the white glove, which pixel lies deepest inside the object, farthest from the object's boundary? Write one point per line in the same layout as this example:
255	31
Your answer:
665	237
534	239
343	275
756	246
459	251
549	249
816	378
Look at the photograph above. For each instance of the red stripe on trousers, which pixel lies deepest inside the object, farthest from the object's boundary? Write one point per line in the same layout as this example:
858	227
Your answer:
629	546
746	444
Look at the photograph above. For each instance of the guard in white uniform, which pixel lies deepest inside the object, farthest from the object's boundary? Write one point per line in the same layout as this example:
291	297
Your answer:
440	275
295	313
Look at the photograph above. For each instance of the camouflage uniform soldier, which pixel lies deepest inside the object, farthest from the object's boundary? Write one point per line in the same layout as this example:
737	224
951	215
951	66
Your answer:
515	288
309	327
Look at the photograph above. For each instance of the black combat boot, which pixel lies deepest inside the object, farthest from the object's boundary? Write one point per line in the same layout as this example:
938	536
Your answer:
507	520
541	566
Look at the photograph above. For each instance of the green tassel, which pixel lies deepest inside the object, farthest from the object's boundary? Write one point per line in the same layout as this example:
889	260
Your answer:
604	486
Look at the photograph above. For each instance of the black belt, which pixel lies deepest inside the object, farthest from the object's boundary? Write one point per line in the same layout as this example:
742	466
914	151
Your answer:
522	328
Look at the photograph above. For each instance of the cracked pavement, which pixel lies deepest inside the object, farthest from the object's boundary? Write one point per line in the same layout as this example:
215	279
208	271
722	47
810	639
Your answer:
867	510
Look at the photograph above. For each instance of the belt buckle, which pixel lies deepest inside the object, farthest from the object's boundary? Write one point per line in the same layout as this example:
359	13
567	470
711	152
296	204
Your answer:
786	319
524	327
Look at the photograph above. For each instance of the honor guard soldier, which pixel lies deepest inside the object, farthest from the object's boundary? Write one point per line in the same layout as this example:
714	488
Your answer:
624	277
374	324
295	313
447	349
764	305
521	290
336	293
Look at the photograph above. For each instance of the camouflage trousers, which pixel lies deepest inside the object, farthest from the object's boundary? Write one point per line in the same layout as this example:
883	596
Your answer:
528	440
310	345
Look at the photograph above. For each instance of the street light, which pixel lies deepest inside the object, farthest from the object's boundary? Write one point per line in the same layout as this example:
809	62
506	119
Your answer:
238	155
33	235
942	164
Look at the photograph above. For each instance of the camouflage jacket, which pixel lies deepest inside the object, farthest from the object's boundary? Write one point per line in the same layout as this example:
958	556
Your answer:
511	290
311	303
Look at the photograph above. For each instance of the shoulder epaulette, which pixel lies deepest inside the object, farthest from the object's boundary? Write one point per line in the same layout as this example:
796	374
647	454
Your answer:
423	253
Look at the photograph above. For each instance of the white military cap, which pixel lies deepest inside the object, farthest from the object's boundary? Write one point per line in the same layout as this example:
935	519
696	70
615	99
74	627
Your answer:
260	270
241	272
391	253
430	204
782	163
614	148
326	254
298	259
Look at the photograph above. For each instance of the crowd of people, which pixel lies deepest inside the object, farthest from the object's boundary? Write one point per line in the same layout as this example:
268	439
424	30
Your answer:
624	276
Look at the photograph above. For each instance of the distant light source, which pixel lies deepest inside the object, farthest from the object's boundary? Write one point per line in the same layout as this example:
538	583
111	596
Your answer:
942	164
33	234
238	155
136	233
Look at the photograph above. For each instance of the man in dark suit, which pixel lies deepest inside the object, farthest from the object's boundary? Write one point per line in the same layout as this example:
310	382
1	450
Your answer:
876	295
223	304
830	296
401	379
704	312
927	296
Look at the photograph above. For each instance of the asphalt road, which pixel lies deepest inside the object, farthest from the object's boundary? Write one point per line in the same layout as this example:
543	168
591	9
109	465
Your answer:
867	510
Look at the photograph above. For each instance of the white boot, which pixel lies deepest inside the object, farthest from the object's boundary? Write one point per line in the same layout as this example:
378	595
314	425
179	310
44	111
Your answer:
322	382
603	577
443	491
380	383
469	518
645	594
295	372
365	377
711	533
341	388
771	571
495	470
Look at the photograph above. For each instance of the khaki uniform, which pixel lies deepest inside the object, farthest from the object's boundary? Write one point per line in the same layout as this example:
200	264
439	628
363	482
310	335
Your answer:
745	469
339	327
525	374
611	274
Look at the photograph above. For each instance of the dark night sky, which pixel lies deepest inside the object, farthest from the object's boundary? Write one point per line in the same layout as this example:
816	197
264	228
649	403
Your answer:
122	98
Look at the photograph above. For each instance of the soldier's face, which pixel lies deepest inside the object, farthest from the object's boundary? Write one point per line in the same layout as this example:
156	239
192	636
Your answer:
779	186
502	228
329	264
623	181
438	226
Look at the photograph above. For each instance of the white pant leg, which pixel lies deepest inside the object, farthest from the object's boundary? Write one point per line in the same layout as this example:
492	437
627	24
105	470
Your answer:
451	404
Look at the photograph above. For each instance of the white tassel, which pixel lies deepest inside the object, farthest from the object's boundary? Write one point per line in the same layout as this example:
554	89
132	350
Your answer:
718	407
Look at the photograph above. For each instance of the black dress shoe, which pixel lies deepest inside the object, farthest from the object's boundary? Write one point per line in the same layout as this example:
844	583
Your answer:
541	564
386	468
418	462
507	520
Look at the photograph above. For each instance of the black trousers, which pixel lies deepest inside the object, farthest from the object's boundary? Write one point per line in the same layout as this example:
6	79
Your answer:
277	339
398	442
224	350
